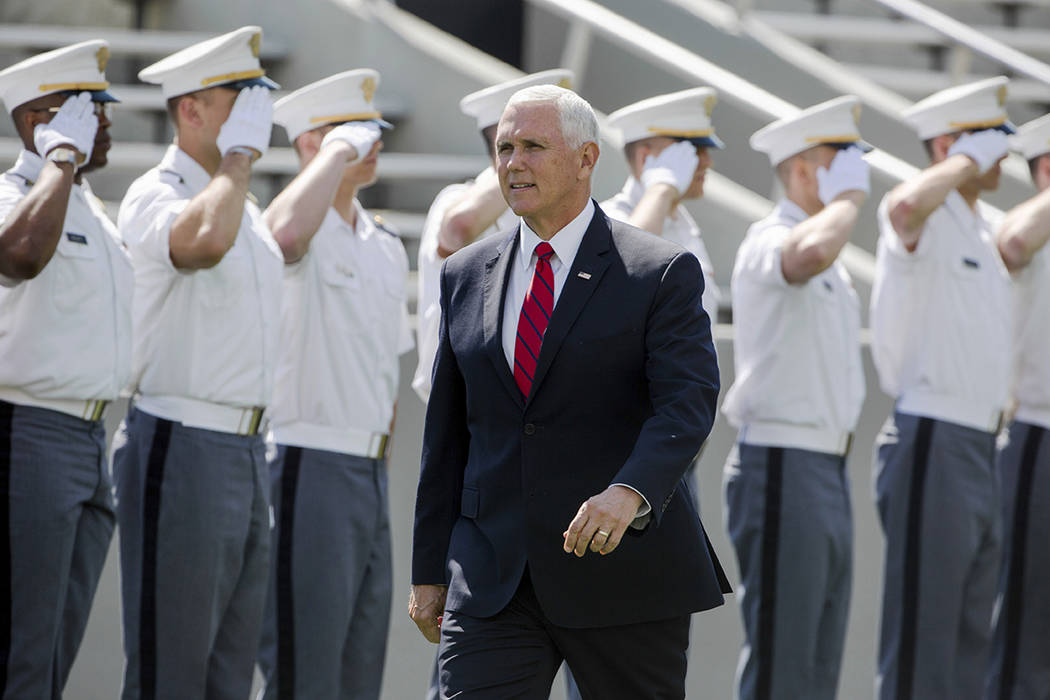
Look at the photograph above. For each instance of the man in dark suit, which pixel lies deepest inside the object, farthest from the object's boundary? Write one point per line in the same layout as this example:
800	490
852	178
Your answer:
575	380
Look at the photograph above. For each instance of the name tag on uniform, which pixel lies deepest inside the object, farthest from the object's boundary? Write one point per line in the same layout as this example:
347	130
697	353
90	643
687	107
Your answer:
970	262
77	237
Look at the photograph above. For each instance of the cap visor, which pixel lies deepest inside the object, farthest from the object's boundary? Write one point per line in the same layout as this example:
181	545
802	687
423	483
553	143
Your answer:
1007	127
383	123
711	141
251	82
102	96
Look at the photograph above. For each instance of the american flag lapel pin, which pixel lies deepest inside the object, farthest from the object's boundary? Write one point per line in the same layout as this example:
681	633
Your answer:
583	275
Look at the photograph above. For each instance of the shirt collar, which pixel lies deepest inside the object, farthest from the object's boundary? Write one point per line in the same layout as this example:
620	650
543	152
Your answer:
565	242
786	210
192	173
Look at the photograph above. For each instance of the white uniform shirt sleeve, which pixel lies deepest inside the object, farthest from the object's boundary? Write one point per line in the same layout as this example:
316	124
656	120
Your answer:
428	305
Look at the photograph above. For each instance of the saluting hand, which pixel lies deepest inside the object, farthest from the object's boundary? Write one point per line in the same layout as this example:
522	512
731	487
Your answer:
361	135
74	125
674	166
601	521
249	123
848	172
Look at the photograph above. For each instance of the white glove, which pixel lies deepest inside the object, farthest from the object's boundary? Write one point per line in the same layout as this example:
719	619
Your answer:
984	147
249	123
361	135
848	171
74	124
675	166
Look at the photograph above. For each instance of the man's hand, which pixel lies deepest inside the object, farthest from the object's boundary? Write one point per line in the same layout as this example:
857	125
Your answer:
426	606
986	147
848	172
73	126
601	521
674	166
362	136
249	123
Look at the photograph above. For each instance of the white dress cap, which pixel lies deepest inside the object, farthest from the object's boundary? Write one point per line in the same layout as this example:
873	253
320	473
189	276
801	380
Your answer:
829	123
682	115
70	69
343	97
972	107
230	60
1033	139
487	105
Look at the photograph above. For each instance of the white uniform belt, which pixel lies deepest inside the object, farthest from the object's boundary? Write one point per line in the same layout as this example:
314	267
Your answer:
351	441
193	413
86	409
952	409
1033	416
802	437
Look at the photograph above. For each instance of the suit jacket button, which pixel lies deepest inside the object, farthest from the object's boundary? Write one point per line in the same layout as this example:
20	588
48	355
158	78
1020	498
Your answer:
530	429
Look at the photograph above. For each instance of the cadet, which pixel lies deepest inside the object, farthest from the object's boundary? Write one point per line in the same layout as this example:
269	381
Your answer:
65	352
940	321
464	212
344	323
796	399
666	142
1020	665
191	473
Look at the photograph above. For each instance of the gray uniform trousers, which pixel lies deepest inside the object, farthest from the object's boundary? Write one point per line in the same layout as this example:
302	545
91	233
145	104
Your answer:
789	518
937	494
328	609
1020	665
55	530
193	510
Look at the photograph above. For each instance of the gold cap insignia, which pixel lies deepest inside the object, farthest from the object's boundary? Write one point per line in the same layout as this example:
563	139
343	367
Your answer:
368	88
254	43
102	56
709	104
1000	95
856	114
565	83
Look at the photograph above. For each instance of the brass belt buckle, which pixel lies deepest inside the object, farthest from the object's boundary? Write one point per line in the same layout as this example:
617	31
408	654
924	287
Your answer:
254	420
93	410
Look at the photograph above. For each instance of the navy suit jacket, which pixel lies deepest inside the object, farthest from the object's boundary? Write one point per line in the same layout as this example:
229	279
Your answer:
624	392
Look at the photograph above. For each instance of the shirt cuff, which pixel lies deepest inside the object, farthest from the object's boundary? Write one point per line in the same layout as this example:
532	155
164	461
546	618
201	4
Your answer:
644	514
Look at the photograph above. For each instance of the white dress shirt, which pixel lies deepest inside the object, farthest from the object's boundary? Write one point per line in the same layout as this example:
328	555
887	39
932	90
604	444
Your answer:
680	227
344	323
941	317
428	304
1031	385
66	334
207	335
799	380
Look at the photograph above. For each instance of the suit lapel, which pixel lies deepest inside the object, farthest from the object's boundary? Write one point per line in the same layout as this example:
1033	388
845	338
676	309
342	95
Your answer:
495	289
592	261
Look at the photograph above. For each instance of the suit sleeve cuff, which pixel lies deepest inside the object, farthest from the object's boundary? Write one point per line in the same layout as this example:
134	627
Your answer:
644	514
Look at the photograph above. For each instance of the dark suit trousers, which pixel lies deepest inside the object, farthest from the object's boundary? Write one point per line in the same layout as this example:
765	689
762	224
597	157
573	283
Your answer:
516	654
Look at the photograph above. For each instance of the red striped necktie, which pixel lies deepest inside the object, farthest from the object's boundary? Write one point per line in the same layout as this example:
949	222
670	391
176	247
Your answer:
535	315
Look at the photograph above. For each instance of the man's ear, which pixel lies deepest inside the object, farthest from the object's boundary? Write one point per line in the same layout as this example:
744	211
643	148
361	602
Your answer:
588	159
190	111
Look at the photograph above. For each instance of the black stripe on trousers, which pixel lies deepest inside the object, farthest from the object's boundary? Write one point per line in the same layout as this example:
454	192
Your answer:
6	420
285	601
1015	576
767	605
912	558
158	454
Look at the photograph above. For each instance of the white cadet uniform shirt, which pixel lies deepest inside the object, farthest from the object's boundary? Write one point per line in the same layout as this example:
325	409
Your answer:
941	316
1031	386
209	334
344	323
66	334
428	306
680	228
799	381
